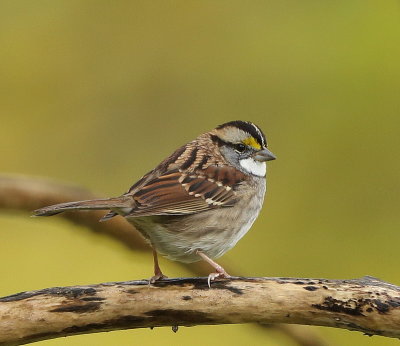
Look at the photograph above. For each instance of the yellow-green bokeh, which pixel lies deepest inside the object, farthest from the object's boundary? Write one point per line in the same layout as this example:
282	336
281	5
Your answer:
98	92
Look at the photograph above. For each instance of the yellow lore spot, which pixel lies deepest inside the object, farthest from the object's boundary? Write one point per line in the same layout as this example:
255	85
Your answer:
252	142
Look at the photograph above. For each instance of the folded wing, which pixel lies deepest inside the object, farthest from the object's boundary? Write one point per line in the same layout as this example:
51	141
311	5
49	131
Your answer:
182	193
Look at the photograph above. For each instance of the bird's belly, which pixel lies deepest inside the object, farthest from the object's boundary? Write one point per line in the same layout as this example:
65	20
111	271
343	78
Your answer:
182	245
214	232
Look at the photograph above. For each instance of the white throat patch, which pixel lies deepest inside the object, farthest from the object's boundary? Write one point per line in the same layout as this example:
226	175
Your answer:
254	167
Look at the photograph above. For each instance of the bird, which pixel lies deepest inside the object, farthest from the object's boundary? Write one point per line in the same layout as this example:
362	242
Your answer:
198	202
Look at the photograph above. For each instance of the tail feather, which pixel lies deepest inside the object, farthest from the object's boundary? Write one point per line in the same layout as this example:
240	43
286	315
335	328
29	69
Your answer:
93	204
108	216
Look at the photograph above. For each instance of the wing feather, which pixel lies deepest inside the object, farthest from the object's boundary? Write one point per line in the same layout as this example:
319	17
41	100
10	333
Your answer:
183	193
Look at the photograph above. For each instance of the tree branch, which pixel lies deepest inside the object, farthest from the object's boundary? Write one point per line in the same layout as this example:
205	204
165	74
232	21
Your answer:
19	192
367	305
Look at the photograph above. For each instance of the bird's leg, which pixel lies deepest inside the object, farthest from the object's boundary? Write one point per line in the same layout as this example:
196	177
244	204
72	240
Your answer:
220	272
158	275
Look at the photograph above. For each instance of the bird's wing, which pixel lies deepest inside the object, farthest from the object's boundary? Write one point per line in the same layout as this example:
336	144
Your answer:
181	193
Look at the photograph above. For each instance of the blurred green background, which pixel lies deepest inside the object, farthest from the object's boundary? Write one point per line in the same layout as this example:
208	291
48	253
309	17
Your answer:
98	92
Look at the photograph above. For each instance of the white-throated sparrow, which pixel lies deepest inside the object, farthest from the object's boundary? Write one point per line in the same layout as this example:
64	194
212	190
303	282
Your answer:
200	201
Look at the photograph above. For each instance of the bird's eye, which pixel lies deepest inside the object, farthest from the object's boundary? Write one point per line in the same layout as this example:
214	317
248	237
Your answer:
240	148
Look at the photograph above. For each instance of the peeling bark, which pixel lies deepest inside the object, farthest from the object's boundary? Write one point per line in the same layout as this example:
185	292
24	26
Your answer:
25	193
367	305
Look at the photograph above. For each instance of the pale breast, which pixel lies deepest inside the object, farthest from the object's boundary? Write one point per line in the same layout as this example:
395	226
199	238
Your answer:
214	231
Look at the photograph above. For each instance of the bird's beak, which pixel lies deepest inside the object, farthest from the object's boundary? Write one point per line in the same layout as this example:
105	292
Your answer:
264	155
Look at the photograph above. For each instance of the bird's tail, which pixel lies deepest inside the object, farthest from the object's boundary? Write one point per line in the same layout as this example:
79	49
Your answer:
93	204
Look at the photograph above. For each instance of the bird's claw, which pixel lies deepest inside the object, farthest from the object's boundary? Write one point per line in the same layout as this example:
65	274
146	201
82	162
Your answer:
213	276
157	277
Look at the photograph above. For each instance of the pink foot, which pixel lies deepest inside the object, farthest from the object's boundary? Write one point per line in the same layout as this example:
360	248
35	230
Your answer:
223	275
157	277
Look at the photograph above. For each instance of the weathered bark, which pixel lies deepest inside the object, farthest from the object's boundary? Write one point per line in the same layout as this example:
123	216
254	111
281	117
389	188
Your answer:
19	192
367	305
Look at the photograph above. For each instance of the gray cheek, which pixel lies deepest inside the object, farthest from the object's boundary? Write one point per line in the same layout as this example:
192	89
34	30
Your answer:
230	155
